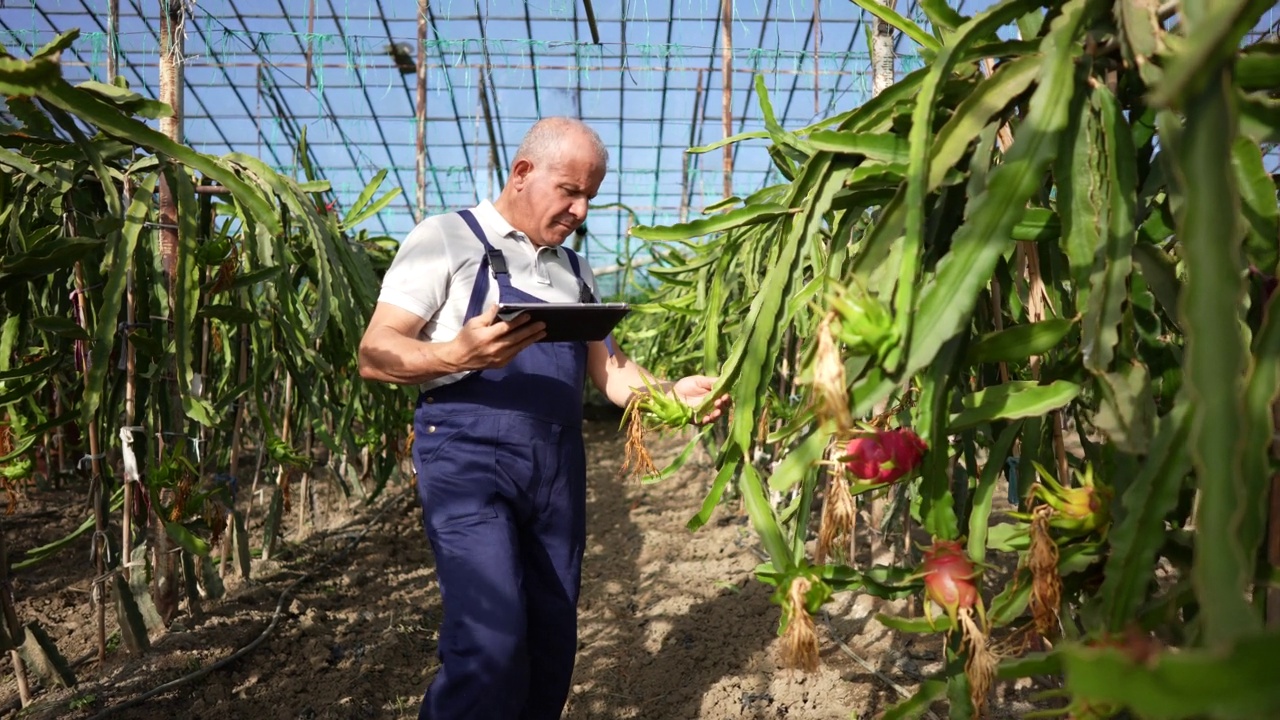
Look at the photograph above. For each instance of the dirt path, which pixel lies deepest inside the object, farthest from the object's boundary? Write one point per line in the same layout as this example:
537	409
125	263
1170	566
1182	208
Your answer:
672	624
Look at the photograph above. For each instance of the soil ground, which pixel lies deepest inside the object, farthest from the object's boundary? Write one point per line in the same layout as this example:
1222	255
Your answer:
673	624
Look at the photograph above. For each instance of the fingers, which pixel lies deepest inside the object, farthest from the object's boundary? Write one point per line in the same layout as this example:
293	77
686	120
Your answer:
486	318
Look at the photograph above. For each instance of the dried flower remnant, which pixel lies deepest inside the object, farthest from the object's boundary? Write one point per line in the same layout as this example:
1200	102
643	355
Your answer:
980	661
1046	583
800	639
636	459
839	515
829	382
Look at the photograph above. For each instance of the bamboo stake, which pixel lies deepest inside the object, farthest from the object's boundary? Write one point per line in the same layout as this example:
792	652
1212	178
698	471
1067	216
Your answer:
130	401
281	471
726	66
421	130
236	429
12	625
96	494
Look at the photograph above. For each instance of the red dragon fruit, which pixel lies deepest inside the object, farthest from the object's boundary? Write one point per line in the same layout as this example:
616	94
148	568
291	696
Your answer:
885	457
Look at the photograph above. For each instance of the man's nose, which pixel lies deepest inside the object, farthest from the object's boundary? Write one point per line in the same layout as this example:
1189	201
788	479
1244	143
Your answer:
578	208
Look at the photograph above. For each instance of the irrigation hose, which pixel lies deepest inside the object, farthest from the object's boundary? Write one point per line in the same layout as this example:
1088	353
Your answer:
390	502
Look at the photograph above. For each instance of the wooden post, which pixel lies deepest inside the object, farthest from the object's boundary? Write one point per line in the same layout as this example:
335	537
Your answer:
423	6
883	63
726	66
113	40
166	583
311	41
883	59
171	45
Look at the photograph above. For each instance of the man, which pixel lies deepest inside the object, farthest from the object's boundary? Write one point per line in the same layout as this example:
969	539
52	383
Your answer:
498	441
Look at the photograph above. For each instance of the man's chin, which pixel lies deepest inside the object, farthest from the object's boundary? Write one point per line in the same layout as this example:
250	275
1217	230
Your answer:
554	239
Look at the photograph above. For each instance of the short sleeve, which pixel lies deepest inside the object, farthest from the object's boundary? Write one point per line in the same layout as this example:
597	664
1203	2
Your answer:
418	279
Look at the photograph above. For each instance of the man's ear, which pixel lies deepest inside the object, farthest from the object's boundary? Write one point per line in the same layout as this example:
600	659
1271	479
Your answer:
520	173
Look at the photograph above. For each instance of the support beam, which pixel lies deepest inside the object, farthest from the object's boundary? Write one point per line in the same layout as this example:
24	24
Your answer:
817	50
688	159
591	21
311	41
488	126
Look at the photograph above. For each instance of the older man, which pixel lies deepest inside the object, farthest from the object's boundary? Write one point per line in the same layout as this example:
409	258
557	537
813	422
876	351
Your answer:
498	425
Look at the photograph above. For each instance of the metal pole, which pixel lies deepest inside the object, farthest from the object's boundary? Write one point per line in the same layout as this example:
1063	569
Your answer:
423	5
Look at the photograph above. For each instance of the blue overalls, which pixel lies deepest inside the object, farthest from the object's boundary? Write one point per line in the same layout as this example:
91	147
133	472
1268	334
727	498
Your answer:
502	479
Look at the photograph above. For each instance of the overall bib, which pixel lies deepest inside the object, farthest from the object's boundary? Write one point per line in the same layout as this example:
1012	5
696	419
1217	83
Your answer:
502	479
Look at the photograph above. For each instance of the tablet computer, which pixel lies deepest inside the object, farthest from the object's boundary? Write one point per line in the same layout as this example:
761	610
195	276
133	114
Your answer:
569	321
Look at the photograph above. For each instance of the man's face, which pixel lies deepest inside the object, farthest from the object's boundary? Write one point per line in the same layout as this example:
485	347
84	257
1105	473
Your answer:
555	191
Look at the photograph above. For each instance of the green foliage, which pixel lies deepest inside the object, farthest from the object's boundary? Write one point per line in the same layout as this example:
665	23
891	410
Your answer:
1078	245
264	286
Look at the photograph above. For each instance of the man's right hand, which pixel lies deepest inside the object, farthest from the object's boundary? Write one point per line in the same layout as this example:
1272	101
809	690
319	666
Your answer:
488	342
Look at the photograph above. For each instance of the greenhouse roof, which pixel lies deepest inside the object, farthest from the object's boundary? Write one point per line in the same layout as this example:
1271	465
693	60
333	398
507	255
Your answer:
647	74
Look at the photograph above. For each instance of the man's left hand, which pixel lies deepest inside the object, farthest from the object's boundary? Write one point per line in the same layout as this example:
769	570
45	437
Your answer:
693	391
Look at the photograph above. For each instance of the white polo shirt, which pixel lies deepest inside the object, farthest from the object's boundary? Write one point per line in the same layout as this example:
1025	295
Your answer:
435	268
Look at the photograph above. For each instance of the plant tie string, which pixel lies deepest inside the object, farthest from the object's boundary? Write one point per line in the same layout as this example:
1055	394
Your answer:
88	460
131	473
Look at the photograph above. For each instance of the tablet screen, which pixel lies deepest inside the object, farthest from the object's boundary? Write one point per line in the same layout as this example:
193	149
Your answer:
569	321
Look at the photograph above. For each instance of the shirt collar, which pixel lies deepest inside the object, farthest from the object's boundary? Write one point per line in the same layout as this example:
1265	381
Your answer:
492	221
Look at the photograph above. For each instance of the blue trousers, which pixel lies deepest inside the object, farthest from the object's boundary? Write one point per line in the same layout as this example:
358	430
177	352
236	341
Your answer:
504	506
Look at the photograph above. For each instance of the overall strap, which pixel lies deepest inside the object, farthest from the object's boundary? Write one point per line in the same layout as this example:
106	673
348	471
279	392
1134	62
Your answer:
584	293
584	290
493	258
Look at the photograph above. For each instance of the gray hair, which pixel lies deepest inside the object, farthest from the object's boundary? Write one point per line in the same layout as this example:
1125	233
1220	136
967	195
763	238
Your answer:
545	137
